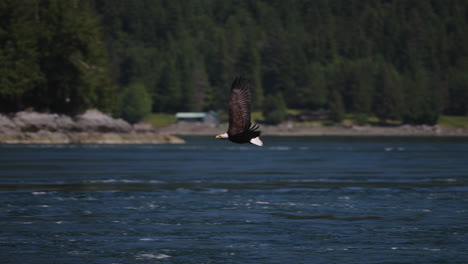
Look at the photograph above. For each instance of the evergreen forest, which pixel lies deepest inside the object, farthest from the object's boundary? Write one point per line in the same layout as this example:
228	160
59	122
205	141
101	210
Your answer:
401	60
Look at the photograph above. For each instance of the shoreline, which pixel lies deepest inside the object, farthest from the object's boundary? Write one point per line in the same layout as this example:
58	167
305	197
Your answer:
79	138
201	129
94	127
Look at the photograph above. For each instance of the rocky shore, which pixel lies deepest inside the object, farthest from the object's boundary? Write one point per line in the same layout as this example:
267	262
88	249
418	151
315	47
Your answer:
92	127
290	129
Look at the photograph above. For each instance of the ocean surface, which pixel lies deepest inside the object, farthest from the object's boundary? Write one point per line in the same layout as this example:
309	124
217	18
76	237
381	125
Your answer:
296	200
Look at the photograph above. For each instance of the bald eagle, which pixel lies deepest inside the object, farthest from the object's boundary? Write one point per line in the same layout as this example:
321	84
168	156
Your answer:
240	129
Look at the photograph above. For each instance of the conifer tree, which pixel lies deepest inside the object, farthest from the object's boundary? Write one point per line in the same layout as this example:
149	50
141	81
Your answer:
388	100
274	109
336	106
135	103
20	71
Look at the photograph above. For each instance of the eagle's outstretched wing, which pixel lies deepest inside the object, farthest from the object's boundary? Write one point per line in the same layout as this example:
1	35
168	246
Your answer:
239	107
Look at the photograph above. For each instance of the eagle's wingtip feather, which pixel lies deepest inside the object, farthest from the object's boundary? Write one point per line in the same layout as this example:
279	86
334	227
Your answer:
256	141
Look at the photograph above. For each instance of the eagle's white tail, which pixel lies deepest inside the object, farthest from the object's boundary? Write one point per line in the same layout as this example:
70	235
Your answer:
256	141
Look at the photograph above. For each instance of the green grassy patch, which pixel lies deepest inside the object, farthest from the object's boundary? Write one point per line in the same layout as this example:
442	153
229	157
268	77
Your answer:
453	121
257	116
294	111
160	119
313	124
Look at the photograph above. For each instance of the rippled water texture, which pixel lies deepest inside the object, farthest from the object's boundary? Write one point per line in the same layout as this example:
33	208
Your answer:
296	200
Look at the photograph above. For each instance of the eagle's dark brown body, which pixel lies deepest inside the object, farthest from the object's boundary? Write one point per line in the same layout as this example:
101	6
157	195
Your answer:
240	128
245	137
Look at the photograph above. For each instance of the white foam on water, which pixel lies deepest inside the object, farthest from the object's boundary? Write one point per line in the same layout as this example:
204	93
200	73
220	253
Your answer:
443	180
308	180
418	210
145	206
156	181
147	239
152	205
432	249
39	193
216	190
291	204
75	199
388	149
115	181
132	208
125	181
153	256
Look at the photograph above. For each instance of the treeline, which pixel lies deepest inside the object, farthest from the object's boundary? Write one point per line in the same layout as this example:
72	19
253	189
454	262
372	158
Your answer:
52	57
397	60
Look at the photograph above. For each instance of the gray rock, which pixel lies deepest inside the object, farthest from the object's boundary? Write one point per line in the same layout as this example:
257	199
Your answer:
92	127
94	120
7	126
143	127
33	121
65	124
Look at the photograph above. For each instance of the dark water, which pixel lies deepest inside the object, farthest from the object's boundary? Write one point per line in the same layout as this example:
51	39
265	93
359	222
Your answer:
296	200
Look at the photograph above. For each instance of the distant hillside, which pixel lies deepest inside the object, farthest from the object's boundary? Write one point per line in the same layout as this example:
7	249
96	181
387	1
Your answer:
397	60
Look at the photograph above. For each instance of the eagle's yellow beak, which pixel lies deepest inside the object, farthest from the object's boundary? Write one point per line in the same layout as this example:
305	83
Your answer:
218	137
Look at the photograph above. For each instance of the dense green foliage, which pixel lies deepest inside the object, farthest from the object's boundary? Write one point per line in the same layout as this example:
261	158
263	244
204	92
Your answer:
52	57
397	60
135	103
274	109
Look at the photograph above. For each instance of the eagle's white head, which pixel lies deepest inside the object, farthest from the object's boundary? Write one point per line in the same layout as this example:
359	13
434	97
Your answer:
222	136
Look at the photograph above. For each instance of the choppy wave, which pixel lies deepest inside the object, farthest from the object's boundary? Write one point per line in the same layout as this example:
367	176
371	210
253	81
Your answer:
152	256
293	201
224	186
124	181
389	149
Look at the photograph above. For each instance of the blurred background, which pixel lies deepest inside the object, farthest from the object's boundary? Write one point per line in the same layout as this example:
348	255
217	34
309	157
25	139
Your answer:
391	62
84	188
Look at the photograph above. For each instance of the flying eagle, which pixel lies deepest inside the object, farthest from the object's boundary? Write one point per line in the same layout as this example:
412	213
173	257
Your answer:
240	129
